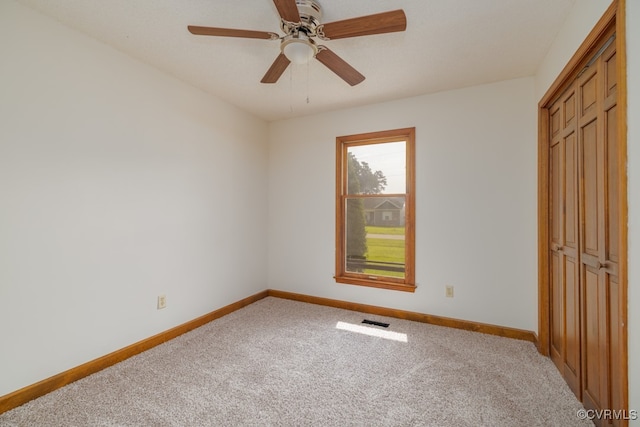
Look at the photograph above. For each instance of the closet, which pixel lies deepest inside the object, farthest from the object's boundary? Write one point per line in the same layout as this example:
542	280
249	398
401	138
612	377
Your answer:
585	319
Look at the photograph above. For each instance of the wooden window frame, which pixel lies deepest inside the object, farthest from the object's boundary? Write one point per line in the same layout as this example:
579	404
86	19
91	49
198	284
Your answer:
406	284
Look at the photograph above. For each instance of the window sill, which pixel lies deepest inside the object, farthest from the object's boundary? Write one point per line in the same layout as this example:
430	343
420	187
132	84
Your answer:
376	283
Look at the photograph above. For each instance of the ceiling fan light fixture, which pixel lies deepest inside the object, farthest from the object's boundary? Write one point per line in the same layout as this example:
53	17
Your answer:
299	49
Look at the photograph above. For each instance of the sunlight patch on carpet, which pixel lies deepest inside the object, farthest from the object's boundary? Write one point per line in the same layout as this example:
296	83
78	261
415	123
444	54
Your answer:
366	330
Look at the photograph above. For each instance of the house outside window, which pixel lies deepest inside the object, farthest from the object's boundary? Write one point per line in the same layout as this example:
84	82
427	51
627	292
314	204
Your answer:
375	209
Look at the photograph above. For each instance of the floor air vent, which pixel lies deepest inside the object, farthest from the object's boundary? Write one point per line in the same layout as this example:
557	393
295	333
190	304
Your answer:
373	322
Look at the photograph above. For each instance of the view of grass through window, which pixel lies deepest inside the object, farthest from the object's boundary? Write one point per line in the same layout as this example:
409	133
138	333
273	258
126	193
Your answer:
385	245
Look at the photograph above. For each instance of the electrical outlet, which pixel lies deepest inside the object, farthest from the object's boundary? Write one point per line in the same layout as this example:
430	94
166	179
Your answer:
449	291
162	301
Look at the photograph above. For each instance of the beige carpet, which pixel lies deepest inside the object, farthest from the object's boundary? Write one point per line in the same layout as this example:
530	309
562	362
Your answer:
286	363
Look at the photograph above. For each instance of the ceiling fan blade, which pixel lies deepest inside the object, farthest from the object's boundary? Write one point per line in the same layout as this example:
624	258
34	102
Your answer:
380	23
288	10
338	65
277	68
230	32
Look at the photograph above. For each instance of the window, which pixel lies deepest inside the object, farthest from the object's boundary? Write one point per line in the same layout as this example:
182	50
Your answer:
375	209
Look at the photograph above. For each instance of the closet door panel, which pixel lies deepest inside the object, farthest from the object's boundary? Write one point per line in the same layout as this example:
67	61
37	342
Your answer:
570	252
589	171
587	303
564	231
571	194
615	298
615	358
572	319
612	186
594	350
557	312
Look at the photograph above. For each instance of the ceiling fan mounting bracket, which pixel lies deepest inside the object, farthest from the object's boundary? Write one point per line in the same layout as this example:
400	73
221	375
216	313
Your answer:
320	33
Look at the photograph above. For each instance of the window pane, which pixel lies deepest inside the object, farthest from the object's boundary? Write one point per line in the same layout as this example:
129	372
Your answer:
375	236
375	209
377	168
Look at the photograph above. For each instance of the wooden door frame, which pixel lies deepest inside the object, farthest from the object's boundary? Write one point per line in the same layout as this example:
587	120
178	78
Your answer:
613	16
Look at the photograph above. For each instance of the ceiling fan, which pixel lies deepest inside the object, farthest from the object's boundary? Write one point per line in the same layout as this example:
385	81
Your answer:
300	20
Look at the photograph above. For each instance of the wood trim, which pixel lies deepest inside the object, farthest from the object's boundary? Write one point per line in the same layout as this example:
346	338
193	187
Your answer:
410	210
580	57
466	325
33	391
379	136
22	396
340	180
380	283
406	284
621	52
566	76
543	232
615	15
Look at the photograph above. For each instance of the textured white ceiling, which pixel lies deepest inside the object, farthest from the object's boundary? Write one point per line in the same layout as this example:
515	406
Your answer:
448	44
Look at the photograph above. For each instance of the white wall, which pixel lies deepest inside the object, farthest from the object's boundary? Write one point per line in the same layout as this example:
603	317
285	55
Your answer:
584	16
475	203
633	154
117	183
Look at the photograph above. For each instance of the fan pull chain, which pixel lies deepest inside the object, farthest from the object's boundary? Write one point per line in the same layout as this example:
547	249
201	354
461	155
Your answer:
308	80
291	89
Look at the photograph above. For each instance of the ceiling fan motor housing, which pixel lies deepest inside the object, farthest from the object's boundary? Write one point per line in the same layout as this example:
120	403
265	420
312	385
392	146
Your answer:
297	45
310	16
310	12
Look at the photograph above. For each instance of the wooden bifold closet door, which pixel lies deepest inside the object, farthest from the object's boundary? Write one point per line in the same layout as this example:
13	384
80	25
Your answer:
585	321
